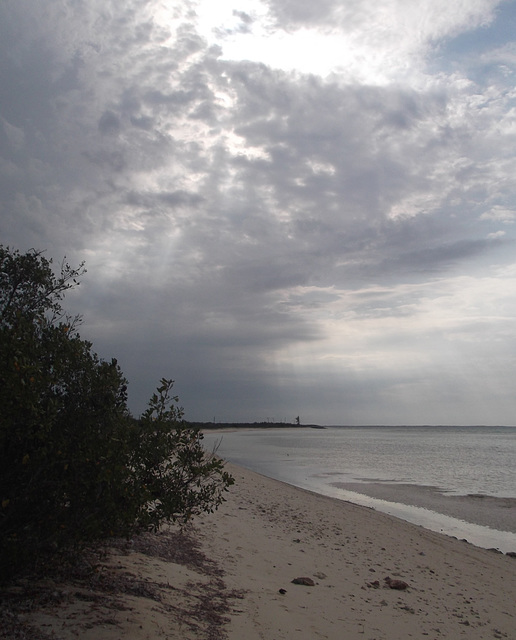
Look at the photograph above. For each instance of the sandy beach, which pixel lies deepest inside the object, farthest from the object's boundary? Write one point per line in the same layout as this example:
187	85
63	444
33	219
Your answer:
231	577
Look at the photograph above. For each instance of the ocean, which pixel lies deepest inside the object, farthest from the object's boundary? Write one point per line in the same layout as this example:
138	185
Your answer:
460	481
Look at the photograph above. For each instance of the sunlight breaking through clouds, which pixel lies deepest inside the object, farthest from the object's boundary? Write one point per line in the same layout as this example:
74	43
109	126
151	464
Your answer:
369	42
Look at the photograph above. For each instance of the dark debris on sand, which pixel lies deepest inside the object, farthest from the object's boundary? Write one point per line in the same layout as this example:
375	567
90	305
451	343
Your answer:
86	577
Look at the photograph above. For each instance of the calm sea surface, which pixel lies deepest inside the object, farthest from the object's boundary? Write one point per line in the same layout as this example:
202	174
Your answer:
410	472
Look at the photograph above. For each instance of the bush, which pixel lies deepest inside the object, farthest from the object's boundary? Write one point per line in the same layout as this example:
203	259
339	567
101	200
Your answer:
75	466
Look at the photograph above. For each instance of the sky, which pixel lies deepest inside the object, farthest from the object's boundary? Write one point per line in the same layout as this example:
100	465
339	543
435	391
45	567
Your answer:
290	208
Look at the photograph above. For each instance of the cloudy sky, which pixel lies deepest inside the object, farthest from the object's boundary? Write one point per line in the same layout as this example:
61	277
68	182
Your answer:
291	208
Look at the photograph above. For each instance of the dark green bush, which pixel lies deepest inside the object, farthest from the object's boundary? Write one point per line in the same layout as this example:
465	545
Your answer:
75	466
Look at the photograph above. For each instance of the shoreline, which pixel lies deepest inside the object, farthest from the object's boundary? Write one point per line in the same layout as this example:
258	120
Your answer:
485	521
267	534
488	511
488	521
463	518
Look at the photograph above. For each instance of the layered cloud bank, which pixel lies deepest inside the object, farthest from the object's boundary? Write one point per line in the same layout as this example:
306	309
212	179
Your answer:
291	209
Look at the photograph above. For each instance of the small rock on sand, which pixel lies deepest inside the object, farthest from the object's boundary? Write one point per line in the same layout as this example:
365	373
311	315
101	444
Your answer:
308	582
396	584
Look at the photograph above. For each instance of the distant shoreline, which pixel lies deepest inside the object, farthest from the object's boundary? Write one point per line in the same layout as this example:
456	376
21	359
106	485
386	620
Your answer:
291	425
251	425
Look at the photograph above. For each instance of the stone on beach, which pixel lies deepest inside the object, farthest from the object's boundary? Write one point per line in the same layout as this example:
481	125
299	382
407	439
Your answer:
307	582
396	584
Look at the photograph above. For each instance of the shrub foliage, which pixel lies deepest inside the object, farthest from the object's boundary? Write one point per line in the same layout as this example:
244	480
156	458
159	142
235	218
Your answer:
75	466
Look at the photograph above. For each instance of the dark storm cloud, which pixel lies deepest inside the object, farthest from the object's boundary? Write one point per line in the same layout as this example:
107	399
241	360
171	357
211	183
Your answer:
109	123
338	159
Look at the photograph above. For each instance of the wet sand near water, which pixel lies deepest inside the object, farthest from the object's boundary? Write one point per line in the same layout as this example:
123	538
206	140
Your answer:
487	511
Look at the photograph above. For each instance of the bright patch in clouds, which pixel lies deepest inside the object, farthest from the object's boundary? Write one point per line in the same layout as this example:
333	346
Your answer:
250	34
500	214
369	41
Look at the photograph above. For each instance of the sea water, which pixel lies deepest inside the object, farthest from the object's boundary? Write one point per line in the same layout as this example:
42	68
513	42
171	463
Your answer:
457	480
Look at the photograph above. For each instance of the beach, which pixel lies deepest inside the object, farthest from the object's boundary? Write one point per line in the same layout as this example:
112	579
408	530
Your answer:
234	578
460	481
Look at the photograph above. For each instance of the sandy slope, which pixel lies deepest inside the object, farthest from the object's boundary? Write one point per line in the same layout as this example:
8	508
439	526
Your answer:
263	537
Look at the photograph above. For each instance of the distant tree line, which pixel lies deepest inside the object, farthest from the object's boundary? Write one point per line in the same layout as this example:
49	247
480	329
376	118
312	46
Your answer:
241	425
249	425
75	465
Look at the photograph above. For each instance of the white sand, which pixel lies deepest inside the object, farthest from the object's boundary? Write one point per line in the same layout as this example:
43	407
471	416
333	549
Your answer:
267	534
